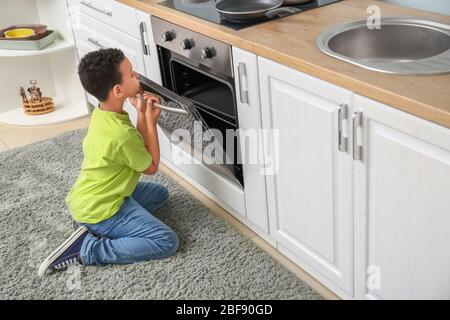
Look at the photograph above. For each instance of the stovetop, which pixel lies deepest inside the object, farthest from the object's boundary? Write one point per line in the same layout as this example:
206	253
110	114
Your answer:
205	9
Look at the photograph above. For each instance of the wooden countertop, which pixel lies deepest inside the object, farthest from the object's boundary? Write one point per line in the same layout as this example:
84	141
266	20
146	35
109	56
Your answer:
291	41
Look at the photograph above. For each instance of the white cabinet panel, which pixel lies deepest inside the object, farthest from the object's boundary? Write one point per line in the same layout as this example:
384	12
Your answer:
249	115
402	209
310	196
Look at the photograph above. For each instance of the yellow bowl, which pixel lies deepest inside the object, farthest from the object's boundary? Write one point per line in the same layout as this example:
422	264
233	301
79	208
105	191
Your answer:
19	33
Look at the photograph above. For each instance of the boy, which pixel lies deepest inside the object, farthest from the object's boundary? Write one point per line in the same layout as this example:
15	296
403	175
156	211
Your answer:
115	210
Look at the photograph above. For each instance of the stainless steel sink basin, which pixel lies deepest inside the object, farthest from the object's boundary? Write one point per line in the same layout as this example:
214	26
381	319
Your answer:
401	45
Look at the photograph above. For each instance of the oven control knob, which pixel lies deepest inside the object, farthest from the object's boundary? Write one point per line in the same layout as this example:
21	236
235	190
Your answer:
186	44
168	36
207	53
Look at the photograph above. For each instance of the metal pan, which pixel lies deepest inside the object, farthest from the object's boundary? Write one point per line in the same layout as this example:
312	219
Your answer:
249	10
291	2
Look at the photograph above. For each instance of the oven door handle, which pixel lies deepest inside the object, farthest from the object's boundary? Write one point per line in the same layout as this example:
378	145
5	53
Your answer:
163	107
169	109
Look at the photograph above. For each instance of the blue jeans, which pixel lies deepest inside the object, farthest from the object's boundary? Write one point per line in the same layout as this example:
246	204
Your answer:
133	234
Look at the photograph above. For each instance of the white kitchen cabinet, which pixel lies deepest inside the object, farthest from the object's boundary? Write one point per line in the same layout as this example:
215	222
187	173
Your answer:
388	194
309	184
402	205
249	115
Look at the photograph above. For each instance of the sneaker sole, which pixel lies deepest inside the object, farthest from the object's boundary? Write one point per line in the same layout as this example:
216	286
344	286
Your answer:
57	252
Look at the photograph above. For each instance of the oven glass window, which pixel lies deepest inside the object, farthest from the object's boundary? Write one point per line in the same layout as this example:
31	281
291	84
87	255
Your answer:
208	93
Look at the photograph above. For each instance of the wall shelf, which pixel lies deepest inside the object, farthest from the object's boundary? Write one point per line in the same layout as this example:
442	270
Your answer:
62	113
58	46
54	67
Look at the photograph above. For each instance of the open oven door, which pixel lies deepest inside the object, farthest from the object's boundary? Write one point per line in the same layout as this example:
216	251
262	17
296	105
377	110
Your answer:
187	129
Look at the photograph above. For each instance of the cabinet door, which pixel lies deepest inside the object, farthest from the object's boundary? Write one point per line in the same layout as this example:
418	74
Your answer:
249	115
310	186
402	206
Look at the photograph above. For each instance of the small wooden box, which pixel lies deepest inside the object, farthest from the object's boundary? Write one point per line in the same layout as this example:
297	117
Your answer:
34	108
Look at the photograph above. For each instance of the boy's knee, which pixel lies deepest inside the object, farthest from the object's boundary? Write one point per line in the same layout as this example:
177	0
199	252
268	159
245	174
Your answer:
169	244
164	192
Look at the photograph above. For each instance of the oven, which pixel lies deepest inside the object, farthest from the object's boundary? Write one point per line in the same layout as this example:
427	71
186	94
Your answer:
197	76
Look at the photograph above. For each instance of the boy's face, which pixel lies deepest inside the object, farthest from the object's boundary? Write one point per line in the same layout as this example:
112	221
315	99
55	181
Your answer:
130	80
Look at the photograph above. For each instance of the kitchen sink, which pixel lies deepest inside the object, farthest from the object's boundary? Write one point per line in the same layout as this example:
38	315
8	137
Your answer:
400	46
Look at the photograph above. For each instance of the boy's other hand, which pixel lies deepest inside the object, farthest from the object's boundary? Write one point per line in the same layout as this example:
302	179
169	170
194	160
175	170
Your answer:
137	102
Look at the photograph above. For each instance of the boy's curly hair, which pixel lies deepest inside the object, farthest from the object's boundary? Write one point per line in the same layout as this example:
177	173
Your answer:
99	71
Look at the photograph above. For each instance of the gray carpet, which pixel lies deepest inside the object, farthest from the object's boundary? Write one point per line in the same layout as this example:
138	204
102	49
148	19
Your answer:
214	261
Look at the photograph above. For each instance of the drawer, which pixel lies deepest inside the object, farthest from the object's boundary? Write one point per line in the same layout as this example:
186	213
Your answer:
110	12
91	35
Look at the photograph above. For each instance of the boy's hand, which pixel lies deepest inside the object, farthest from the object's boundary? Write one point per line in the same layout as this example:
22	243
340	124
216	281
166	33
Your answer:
138	103
152	113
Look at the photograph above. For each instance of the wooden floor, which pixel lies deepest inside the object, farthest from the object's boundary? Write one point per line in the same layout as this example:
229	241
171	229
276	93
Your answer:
15	136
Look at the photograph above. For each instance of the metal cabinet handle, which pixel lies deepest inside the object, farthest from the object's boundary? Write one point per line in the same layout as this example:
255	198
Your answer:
143	31
96	43
91	6
357	147
242	73
342	138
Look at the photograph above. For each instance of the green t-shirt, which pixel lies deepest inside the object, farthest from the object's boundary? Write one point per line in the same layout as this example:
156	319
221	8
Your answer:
114	157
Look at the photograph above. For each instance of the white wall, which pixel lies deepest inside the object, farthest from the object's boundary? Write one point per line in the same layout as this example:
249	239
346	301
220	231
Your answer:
53	13
17	12
439	6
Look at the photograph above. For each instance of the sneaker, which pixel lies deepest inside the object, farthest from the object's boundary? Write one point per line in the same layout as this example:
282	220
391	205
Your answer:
66	254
